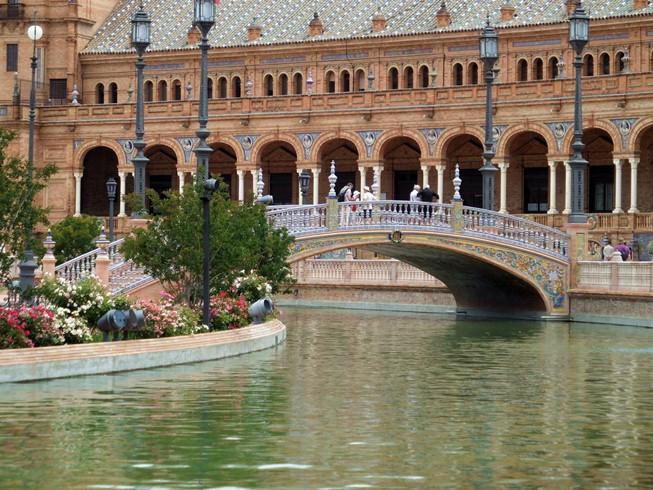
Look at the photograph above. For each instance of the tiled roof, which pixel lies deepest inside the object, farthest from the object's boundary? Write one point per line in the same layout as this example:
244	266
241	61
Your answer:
287	21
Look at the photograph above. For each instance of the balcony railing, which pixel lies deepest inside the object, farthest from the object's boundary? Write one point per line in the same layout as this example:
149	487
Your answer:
12	11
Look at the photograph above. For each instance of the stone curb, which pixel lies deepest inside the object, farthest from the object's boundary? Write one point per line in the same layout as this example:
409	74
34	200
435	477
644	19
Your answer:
110	357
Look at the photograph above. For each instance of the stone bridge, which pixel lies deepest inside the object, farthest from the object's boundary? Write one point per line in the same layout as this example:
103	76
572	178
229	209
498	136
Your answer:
494	264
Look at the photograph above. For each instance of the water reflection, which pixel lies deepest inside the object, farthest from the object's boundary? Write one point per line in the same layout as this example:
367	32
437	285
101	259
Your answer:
354	400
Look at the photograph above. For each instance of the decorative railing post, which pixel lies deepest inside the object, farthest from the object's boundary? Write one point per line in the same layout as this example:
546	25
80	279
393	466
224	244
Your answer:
332	201
49	261
457	218
102	260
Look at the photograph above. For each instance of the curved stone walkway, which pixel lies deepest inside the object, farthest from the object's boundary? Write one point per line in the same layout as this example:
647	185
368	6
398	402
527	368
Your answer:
108	357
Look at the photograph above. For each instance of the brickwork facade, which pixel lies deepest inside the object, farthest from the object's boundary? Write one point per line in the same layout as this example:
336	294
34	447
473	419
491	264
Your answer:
394	110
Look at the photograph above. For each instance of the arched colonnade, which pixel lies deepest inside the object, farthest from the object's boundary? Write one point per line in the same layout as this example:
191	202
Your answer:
533	174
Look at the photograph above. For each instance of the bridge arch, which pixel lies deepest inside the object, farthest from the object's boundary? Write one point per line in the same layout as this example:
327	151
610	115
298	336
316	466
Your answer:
486	278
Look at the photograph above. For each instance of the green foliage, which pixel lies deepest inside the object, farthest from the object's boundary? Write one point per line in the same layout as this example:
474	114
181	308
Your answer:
241	239
75	236
18	213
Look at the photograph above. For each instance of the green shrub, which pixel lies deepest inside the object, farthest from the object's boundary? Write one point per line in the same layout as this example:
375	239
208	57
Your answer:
75	236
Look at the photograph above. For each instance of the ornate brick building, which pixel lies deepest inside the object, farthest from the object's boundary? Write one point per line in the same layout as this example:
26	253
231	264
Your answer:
393	92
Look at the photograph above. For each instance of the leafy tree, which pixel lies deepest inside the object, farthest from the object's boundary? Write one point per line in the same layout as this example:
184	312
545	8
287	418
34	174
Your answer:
75	236
18	213
241	241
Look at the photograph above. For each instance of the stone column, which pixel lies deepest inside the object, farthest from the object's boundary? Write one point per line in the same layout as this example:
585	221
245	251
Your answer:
363	172
425	176
316	185
617	186
78	194
181	176
503	197
440	169
634	162
241	184
123	188
552	188
300	199
567	209
377	175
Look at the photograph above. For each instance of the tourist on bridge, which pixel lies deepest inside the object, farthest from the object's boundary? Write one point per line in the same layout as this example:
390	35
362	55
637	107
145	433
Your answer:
427	195
608	251
367	208
415	196
623	249
345	193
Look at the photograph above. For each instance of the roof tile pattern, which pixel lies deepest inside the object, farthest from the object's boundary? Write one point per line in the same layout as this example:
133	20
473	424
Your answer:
287	21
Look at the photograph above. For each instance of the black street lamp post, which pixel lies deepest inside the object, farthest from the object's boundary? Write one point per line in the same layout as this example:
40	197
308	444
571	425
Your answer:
489	47
111	192
140	42
204	20
579	26
210	186
27	266
304	183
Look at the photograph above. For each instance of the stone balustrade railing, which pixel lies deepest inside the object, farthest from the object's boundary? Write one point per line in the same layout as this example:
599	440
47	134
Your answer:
108	264
628	276
404	215
377	272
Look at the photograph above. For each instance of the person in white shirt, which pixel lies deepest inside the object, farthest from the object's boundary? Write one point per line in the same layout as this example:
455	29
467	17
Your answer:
367	197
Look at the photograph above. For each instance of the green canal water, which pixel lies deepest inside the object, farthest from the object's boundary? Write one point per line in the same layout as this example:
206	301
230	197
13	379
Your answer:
353	400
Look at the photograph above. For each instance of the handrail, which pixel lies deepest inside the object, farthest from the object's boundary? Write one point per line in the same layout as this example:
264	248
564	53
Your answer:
438	217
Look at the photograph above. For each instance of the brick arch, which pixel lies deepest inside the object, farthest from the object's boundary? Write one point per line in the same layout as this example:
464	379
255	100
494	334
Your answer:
637	131
512	131
606	126
171	143
387	136
255	155
325	138
230	141
82	150
449	135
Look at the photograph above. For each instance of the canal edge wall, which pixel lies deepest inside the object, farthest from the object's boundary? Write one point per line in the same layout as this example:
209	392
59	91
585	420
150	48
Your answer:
633	309
109	357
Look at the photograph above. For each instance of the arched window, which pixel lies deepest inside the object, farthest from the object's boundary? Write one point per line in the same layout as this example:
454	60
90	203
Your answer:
472	74
283	84
113	93
458	74
522	71
588	65
553	68
148	88
538	69
409	77
162	91
424	76
209	88
360	80
393	78
298	83
236	87
99	93
222	88
604	64
268	83
345	81
331	82
620	64
176	90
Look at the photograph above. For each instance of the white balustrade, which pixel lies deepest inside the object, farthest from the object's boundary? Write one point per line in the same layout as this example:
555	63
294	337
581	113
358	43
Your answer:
615	276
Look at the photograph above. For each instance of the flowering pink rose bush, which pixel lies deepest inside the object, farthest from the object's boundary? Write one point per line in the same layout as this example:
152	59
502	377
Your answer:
227	312
167	319
13	331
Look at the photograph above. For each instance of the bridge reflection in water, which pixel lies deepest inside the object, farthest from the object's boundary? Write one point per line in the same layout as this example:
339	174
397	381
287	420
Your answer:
494	264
